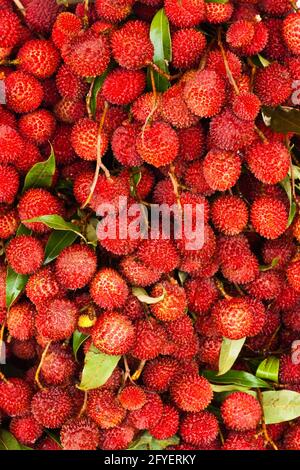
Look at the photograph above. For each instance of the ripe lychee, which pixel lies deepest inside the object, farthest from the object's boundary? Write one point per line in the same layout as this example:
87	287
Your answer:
199	428
174	303
66	26
25	254
147	105
160	254
123	86
86	138
104	408
24	93
246	106
191	142
9	222
114	10
57	320
158	144
117	438
218	12
291	439
269	161
291	32
187	48
9	183
35	203
75	266
221	169
38	57
42	286
20	320
15	397
10	28
108	289
241	412
123	145
191	392
185	13
201	294
69	111
40	17
152	338
228	132
149	415
159	373
168	424
246	440
113	333
52	407
26	429
233	317
240	33
80	434
273	85
269	216
204	93
38	126
132	397
58	366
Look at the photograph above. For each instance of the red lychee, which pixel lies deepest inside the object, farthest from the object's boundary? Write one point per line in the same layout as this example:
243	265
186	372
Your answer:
38	126
114	10
199	428
117	438
9	222
10	28
269	161
42	286
269	216
132	397
75	266
51	407
113	333
191	142
9	184
228	132
187	48
240	33
221	169
291	439
201	293
85	139
273	85
149	415
123	86
233	317
20	320
26	429
25	254
191	392
185	13
246	440
39	57
108	289
123	145
204	93
174	303
66	26
151	339
241	412
80	434
15	397
158	144
24	93
291	32
58	366
35	203
104	408
160	255
168	424
218	12
246	106
40	17
56	321
159	373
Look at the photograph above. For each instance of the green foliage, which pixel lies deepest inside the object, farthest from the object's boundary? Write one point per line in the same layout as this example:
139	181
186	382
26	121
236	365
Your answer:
230	350
41	174
98	367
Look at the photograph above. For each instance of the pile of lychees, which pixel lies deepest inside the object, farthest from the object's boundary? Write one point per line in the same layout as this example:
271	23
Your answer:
85	82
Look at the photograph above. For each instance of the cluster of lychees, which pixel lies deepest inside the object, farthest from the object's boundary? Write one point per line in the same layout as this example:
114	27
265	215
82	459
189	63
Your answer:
201	140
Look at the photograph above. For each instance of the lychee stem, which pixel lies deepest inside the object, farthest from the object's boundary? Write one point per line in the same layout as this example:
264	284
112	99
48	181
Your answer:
99	158
9	62
139	370
228	71
2	330
127	372
164	74
175	184
2	377
37	374
238	289
260	134
86	14
20	7
294	5
84	404
153	85
88	100
220	286
263	422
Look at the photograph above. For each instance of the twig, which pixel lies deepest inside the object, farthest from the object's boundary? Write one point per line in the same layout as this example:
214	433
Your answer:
163	73
263	422
89	98
20	6
175	184
37	374
253	72
139	370
2	377
220	286
2	330
238	288
294	5
99	165
153	85
261	134
83	408
227	68
86	14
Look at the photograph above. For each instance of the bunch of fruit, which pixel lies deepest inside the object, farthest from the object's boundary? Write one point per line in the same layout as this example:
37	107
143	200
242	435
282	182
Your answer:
134	342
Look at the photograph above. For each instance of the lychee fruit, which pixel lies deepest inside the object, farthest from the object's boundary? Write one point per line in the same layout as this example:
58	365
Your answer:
269	216
75	266
158	144
86	138
24	93
20	320
113	333
26	429
174	303
35	203
52	407
291	32
199	428
204	93
25	254
9	183
15	397
221	169
187	48
39	57
108	289
273	85
80	434
241	412
168	424
104	408
132	397
185	13
66	26
123	86
190	392
57	320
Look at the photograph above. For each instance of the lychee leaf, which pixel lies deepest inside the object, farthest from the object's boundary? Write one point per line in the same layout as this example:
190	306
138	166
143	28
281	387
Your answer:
41	174
236	377
268	267
260	61
182	277
269	369
8	441
160	37
98	82
287	186
284	119
148	442
97	369
230	350
57	241
15	284
56	222
78	340
228	388
142	295
280	406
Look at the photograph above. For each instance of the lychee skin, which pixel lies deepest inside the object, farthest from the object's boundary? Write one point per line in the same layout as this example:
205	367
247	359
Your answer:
199	429
240	33
228	132
229	214
123	86
269	161
10	29
26	429
9	184
123	145
218	13
168	424
112	10
269	216
40	17
68	84
200	293
132	397
58	366
241	412
152	339
160	255
187	47
233	317
273	85
20	320
15	397
191	392
57	320
75	266
174	110
137	273
39	57
25	254
35	203
104	409
246	440
117	438
293	274
38	126
221	169
174	303
42	286
291	32
85	137
113	333
185	13
80	434
11	144
246	106
158	144
66	26
292	438
131	45
159	373
108	289
204	93
24	93
9	222
149	415
51	407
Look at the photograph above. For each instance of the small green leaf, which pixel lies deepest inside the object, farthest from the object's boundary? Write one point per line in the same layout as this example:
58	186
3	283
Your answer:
161	39
142	295
280	406
230	350
8	441
96	88
22	230
15	284
283	119
259	61
147	442
269	369
237	377
287	186
91	232
57	241
267	267
25	447
161	444
182	277
57	223
98	367
78	340
41	174
135	178
228	388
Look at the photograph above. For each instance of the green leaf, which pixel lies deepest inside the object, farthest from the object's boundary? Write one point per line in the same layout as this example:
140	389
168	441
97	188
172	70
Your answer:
161	39
22	230
91	232
25	447
135	179
182	277
260	61
287	186
280	405
147	442
78	339
8	441
98	367
228	388
15	284
142	295
267	267
57	241
41	174
57	223
230	350
96	88
269	369
237	377
283	119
